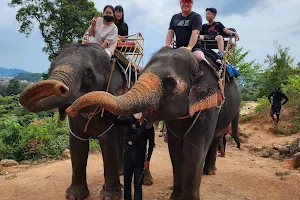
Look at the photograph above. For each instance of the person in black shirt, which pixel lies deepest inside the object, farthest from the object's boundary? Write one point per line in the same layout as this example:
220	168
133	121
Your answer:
136	140
122	26
186	26
215	30
277	96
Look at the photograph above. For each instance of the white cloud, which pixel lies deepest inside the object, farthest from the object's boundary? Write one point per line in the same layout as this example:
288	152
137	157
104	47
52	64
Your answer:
259	23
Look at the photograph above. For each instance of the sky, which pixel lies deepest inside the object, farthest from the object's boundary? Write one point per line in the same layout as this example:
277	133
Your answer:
258	22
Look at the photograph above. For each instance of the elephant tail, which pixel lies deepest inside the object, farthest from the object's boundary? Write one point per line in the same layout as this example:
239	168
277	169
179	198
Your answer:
235	131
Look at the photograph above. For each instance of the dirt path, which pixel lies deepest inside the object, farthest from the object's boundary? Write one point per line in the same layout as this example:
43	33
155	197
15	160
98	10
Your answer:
240	176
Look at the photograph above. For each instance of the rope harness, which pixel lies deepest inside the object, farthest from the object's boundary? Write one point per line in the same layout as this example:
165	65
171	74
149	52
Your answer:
221	76
89	116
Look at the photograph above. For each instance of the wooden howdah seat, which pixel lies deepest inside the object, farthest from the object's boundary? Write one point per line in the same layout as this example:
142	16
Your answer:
132	48
129	52
212	44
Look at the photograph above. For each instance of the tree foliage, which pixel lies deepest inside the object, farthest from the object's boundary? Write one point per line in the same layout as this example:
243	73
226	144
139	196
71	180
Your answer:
249	73
32	77
60	22
280	67
14	87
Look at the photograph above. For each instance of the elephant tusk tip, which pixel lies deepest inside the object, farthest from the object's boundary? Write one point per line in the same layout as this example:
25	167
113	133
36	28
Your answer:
71	112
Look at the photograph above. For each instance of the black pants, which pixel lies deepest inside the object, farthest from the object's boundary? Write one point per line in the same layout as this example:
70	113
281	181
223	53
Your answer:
133	165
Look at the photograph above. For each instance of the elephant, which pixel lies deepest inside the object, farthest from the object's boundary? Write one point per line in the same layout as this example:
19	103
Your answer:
187	94
77	70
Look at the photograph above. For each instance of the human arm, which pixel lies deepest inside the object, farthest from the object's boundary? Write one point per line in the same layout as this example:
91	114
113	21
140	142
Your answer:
196	28
229	32
286	99
170	33
126	29
169	37
151	135
269	97
93	26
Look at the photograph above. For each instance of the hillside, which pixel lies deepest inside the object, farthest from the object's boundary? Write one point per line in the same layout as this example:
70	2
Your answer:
32	77
4	72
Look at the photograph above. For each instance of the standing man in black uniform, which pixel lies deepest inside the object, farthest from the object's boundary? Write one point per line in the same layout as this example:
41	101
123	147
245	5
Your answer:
277	95
135	151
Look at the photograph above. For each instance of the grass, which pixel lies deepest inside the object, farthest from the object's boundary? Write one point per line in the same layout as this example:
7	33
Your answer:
246	118
245	135
282	173
263	106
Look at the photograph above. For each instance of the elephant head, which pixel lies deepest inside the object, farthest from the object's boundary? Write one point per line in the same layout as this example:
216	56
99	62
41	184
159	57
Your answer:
77	70
172	84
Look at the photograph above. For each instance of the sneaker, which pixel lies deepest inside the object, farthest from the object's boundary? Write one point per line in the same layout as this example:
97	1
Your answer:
219	61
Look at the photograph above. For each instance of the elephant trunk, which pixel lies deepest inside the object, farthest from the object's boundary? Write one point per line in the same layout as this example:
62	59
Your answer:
145	94
30	98
48	94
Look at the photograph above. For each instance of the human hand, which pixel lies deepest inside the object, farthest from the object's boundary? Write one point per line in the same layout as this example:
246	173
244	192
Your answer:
146	164
237	37
94	20
187	48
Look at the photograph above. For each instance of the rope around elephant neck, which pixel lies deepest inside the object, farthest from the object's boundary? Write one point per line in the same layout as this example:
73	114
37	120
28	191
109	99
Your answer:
190	128
89	138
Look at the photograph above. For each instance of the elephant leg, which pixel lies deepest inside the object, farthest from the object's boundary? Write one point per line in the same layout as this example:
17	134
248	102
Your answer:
176	154
79	153
210	161
222	146
195	148
110	152
235	130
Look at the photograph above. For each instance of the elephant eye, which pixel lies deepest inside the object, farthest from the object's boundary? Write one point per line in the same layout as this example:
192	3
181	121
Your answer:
169	84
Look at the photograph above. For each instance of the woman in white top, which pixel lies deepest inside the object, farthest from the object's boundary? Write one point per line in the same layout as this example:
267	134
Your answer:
104	31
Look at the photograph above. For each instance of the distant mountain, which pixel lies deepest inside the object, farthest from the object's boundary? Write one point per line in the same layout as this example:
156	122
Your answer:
11	72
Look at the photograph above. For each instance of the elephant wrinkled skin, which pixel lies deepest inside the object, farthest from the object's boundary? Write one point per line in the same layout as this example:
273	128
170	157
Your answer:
77	70
173	84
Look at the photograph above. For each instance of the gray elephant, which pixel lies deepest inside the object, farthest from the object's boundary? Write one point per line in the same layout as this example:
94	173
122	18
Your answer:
173	84
77	70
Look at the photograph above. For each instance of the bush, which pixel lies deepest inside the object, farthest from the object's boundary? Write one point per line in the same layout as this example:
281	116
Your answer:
263	106
43	138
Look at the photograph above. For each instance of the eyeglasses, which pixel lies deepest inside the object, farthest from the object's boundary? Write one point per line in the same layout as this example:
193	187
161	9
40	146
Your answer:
186	1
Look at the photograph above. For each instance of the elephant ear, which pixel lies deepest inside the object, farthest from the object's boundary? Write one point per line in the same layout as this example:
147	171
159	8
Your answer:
205	92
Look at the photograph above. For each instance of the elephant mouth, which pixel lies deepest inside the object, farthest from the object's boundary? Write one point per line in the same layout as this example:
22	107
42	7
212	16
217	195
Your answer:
44	95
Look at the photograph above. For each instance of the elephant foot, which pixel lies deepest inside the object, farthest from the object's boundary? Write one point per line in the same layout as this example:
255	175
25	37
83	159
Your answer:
77	192
210	171
148	180
175	196
111	194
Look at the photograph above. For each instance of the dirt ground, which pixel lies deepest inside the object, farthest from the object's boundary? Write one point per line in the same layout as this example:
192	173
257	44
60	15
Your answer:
240	175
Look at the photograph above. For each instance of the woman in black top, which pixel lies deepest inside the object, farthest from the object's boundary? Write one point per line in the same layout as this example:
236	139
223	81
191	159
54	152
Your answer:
122	26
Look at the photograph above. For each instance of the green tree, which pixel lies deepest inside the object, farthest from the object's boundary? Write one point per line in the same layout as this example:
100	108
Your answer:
279	69
60	22
32	77
248	80
15	87
3	90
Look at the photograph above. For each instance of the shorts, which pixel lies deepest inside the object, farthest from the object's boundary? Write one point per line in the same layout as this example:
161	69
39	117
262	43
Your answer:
276	108
210	37
197	49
